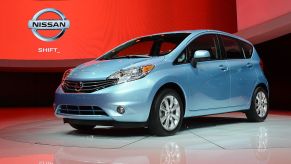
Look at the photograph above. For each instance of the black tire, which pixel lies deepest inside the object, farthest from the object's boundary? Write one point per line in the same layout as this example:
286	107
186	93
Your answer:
252	114
155	123
82	127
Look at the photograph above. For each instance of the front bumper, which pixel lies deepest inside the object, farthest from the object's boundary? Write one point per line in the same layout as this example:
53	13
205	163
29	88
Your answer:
135	96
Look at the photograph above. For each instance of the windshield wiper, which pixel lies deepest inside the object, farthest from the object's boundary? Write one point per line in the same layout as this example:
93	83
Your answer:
131	56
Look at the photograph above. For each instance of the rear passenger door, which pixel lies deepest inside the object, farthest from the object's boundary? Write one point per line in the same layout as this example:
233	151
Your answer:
242	73
210	80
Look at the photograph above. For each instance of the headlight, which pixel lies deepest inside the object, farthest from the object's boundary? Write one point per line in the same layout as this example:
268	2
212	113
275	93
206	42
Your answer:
66	74
131	73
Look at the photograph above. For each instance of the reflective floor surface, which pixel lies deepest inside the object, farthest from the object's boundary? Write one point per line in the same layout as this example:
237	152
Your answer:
34	135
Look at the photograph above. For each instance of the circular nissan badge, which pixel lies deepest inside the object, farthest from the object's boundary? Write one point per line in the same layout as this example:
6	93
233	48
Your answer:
36	24
78	86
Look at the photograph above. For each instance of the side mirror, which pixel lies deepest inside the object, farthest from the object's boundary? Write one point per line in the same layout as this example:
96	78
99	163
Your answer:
198	56
201	54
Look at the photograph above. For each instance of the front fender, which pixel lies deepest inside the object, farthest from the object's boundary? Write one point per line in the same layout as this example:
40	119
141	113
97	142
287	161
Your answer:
165	76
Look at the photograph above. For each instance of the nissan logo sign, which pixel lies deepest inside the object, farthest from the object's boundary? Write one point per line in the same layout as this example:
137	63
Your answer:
36	24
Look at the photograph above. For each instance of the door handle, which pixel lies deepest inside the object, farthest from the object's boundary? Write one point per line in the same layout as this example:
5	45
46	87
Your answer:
249	65
223	67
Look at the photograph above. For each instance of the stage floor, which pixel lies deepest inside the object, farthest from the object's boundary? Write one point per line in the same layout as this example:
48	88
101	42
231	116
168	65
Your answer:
34	135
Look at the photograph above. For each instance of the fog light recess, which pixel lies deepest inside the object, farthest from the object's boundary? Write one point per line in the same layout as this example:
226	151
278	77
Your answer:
120	109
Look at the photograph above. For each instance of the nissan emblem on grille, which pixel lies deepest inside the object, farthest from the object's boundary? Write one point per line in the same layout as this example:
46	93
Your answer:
78	86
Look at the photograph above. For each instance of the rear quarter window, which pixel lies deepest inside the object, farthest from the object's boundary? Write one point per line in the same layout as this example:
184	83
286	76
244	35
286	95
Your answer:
247	49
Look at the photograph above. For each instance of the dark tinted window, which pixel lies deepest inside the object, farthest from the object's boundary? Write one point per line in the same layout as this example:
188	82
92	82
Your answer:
232	48
205	42
247	49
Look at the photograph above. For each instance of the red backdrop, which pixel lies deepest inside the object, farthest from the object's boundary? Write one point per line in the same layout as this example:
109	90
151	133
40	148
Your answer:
254	12
99	25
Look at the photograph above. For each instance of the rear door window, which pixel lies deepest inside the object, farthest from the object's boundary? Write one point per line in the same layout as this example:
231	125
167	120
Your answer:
232	48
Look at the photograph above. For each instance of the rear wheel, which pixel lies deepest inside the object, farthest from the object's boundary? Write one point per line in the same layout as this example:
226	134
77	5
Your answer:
259	106
166	113
82	127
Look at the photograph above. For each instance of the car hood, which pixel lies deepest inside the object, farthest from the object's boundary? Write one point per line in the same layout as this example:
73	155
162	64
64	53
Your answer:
101	69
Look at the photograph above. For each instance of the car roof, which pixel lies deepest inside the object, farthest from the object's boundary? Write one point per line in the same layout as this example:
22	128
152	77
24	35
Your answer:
197	32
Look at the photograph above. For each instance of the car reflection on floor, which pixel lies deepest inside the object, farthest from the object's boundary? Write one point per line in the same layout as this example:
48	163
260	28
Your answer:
226	138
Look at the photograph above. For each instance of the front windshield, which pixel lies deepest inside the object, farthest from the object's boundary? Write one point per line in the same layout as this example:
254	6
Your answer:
155	45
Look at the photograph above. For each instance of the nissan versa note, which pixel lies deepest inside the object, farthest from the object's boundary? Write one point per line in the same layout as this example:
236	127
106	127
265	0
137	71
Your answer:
155	81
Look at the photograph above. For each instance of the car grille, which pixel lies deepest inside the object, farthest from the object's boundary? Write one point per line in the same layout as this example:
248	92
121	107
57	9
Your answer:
86	86
80	110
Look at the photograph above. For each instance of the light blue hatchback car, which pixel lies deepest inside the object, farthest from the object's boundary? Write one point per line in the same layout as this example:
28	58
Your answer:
155	81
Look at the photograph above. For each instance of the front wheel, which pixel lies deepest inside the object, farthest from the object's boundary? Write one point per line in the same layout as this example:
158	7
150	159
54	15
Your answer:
167	113
259	106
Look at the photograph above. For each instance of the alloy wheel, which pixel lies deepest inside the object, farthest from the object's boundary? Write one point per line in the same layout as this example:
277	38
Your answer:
170	112
261	104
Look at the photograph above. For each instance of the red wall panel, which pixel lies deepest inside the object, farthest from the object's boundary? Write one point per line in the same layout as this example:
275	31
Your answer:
253	12
99	25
